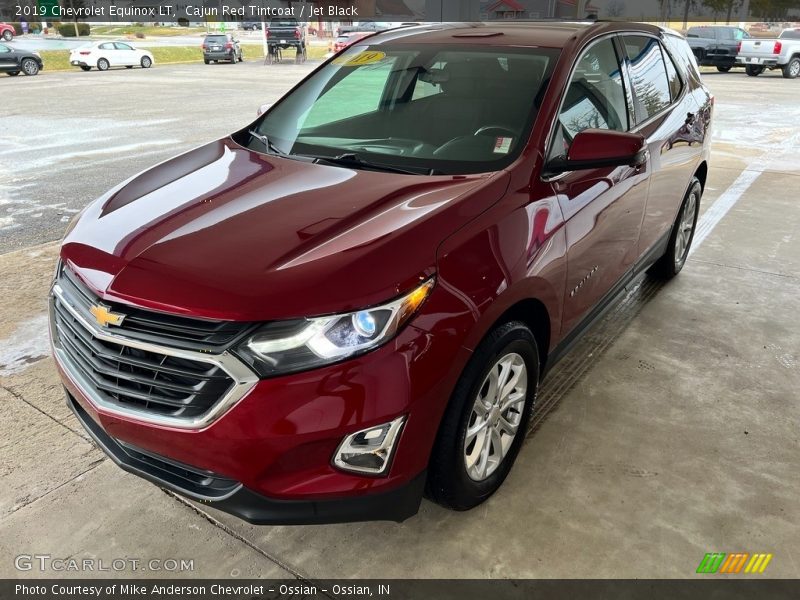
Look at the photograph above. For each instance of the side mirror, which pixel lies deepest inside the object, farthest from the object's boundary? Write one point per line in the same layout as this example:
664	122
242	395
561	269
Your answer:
600	148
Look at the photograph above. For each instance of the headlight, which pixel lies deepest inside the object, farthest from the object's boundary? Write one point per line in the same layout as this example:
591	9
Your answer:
289	346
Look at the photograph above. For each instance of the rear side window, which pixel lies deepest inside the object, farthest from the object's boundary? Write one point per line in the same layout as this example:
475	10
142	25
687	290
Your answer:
595	97
675	83
681	51
651	86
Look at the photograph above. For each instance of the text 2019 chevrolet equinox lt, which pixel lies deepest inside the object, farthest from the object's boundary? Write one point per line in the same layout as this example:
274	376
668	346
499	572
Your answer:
351	302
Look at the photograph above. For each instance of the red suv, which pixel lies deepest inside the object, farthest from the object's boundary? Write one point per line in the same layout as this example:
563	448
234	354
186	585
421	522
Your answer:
352	301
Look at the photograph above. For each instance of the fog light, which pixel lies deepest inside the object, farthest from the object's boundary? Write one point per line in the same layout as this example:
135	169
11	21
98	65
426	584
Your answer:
369	450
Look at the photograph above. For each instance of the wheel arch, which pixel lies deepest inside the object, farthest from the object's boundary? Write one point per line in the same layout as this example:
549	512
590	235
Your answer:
534	314
702	174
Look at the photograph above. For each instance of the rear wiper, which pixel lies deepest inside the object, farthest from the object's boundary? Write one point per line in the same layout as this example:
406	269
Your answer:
267	142
349	159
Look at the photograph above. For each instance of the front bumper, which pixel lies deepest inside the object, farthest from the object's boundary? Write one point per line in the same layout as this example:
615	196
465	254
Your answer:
232	497
274	448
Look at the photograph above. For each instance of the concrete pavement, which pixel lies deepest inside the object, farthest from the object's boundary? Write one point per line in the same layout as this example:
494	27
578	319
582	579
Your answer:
669	432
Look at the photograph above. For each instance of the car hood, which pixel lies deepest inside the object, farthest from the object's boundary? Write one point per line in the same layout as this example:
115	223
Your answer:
224	232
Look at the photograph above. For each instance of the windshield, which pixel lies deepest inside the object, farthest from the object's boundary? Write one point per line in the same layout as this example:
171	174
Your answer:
432	108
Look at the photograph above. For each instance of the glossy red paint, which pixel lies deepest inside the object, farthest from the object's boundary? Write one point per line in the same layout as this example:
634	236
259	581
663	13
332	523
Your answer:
222	232
601	144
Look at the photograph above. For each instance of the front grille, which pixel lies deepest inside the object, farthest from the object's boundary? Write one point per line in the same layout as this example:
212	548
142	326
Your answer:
164	471
162	328
131	378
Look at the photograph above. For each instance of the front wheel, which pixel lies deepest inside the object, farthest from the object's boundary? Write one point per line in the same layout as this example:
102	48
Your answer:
30	66
682	235
146	62
753	70
487	419
7	36
792	69
723	69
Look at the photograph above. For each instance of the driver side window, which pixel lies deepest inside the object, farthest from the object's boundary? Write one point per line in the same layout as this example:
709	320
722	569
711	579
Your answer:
595	97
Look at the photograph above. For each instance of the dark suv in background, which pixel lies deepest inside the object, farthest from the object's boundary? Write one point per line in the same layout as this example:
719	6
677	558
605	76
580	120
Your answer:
716	45
221	46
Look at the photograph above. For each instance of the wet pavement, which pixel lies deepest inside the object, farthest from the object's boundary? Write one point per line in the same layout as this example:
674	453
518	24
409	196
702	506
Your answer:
668	432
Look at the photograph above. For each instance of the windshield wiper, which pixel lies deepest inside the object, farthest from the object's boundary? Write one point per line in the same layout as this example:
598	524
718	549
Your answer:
267	142
350	159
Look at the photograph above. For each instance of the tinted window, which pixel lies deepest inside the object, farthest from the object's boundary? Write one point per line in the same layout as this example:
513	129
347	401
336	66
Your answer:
121	46
700	32
595	97
217	39
675	83
790	34
4	48
453	109
107	46
650	83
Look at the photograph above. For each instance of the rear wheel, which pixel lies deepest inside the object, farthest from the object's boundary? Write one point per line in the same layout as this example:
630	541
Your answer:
29	66
682	235
206	61
754	71
723	69
487	419
792	69
7	35
301	55
103	64
85	68
146	62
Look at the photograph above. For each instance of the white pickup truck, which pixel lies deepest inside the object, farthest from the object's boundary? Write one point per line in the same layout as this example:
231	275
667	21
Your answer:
757	55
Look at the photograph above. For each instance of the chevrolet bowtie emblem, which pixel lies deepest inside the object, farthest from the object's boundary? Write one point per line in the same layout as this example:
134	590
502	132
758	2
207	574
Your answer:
105	317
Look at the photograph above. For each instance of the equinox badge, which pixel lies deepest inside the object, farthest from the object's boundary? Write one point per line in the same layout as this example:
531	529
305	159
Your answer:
104	316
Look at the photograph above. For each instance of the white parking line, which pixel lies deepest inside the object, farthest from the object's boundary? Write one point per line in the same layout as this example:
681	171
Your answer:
722	206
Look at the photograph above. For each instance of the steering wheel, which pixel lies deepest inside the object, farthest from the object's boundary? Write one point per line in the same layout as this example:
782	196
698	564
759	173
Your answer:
495	130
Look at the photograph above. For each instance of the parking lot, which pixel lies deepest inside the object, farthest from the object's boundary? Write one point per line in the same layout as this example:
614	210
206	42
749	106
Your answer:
670	431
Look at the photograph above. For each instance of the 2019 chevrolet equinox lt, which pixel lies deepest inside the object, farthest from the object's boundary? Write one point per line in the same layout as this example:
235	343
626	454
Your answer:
351	302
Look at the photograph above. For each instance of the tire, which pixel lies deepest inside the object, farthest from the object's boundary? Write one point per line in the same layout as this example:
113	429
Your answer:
13	73
233	58
85	68
128	66
7	36
791	69
680	240
753	71
241	56
206	61
102	64
461	474
724	69
29	66
146	62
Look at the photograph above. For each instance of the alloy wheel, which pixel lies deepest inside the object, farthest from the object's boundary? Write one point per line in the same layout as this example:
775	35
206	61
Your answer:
496	416
686	226
794	68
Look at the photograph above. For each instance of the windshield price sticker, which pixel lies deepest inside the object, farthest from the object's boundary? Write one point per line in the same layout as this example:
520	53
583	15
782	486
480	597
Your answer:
502	145
366	57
